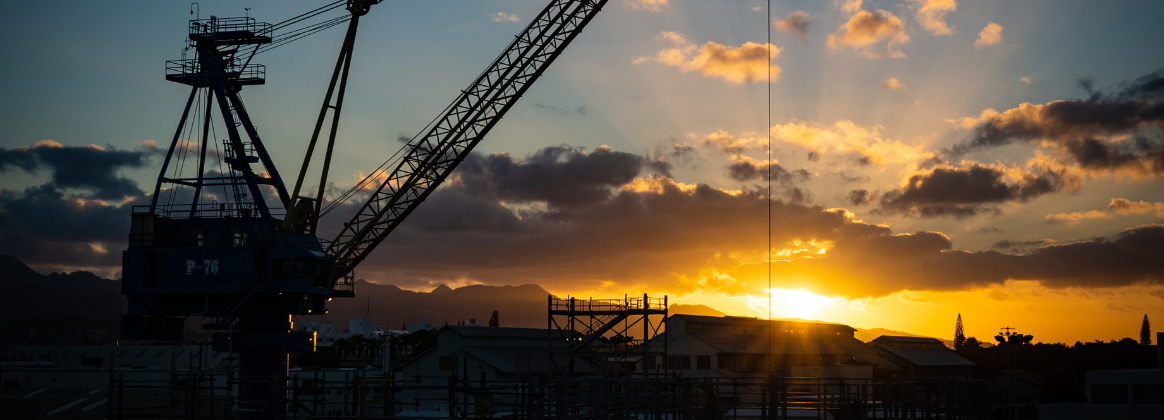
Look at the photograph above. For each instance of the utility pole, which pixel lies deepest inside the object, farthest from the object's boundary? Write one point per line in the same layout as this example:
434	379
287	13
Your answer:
1011	338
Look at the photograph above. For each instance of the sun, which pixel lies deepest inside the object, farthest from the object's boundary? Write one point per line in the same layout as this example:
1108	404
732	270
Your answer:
798	304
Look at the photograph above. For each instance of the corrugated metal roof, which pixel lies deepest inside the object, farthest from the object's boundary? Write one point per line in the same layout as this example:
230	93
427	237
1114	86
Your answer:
820	344
745	321
928	357
908	339
501	332
512	360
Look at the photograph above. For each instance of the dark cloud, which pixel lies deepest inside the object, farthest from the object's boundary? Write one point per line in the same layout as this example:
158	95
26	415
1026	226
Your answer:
1008	244
744	169
796	23
850	179
1149	86
89	168
859	197
971	189
1120	132
580	111
560	176
923	261
43	226
656	234
991	230
652	233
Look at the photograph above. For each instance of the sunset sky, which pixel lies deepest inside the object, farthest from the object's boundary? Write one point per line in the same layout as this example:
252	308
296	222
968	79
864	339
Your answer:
1000	159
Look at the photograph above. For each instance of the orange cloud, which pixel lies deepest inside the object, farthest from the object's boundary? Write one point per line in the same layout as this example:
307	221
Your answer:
503	17
990	35
1118	206
893	84
728	143
866	30
932	14
651	5
744	64
845	137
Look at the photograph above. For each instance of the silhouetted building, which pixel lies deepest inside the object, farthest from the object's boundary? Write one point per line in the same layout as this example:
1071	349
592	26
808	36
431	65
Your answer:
63	367
707	346
1115	394
923	357
326	335
475	353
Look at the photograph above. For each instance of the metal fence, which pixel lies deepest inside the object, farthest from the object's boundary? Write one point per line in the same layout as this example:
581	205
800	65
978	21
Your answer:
359	394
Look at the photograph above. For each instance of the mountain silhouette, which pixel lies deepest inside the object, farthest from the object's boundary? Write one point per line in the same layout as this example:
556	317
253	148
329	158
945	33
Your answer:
33	296
391	307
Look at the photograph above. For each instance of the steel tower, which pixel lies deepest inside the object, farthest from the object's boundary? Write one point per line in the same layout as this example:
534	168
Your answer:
209	243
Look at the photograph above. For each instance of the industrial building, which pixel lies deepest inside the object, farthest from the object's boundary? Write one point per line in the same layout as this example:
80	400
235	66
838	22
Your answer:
923	357
728	347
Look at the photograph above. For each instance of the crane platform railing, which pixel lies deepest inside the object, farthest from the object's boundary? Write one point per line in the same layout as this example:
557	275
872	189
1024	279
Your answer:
205	210
608	305
229	26
250	74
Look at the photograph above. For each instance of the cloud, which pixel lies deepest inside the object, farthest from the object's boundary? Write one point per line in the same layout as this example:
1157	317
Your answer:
1026	80
581	110
1007	244
560	176
850	6
43	226
990	35
1118	206
744	168
859	197
893	84
651	5
93	168
845	137
744	64
574	220
796	23
866	30
731	144
654	233
1107	133
931	14
974	188
503	17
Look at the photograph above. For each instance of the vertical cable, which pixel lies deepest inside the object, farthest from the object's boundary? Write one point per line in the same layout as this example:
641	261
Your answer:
768	128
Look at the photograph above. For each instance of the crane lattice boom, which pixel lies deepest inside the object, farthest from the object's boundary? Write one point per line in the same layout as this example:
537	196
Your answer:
431	159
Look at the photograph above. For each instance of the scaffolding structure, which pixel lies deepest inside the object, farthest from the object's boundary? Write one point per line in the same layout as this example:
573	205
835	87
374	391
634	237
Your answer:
602	336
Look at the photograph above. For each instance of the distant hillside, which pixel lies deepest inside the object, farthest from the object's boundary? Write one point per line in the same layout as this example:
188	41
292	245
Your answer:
703	310
391	307
868	335
30	296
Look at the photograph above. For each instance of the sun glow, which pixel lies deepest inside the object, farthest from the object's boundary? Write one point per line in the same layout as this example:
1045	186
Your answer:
794	303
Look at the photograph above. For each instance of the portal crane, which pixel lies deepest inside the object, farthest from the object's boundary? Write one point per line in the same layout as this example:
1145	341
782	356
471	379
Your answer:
238	263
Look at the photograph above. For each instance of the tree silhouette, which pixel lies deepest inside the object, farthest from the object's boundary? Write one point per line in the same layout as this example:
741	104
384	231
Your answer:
495	322
959	334
1146	332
